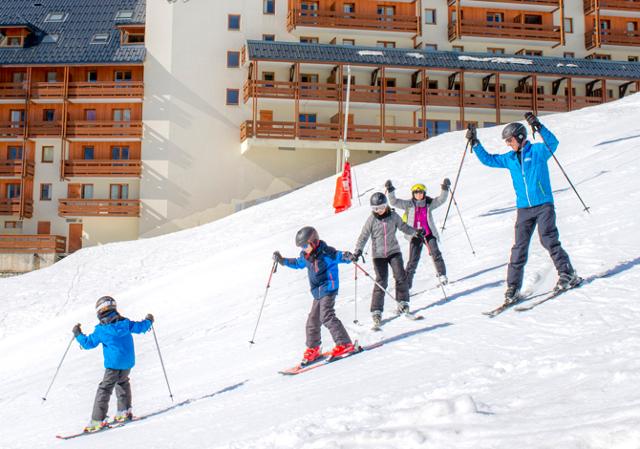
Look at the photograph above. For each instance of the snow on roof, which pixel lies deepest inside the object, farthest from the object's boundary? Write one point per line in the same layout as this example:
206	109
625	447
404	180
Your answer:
416	55
370	53
496	59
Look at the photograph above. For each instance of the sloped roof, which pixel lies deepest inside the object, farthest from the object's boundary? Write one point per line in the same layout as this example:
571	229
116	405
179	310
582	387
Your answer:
399	57
84	19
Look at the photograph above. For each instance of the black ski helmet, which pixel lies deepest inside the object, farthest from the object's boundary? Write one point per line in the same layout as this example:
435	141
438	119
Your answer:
104	304
378	199
308	234
516	130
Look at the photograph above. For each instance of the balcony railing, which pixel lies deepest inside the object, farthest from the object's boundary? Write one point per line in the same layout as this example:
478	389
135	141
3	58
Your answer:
98	208
13	167
504	30
609	37
355	21
554	3
96	128
129	89
103	168
11	129
47	90
45	129
27	244
11	206
618	5
13	91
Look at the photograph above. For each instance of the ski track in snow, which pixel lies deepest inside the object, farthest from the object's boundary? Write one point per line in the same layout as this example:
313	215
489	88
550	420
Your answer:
563	375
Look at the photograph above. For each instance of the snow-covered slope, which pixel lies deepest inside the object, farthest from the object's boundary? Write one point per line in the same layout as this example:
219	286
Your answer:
564	375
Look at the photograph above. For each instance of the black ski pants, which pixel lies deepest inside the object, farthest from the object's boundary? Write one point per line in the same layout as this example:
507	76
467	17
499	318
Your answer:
544	216
323	312
381	266
112	378
415	250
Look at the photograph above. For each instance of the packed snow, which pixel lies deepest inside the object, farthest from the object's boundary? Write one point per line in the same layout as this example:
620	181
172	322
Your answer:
563	375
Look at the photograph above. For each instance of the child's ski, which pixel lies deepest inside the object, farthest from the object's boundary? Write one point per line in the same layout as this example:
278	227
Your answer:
109	426
330	360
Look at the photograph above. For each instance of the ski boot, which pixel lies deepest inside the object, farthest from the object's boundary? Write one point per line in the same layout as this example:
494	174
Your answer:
341	351
403	307
512	295
310	355
95	425
377	319
567	281
442	280
123	416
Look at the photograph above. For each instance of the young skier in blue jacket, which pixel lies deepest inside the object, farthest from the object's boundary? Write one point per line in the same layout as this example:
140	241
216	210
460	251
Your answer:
527	164
321	262
114	332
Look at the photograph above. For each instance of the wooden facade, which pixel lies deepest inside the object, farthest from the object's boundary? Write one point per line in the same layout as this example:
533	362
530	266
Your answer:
609	30
78	207
29	244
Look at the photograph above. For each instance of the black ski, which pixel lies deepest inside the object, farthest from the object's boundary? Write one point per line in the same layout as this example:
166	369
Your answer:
549	297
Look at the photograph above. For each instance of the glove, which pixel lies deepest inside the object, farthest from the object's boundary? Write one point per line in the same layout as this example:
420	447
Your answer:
277	257
389	186
149	317
348	255
445	184
76	330
419	234
472	135
357	254
533	121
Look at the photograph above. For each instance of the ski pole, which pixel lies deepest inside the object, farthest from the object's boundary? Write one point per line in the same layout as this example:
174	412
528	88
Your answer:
455	184
444	293
355	301
266	291
161	361
586	208
455	203
44	398
374	281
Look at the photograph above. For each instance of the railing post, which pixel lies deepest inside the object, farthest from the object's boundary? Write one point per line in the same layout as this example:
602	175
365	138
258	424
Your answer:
497	92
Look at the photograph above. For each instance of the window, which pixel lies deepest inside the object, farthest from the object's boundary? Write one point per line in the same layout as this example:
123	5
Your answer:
50	38
432	84
268	6
100	38
632	59
632	27
90	114
122	75
48	115
14	153
495	17
430	16
233	59
47	155
568	25
133	38
122	115
496	51
526	52
52	77
18	77
605	24
45	192
13	225
348	42
119	191
349	8
388	11
386	44
16	117
307	120
125	14
430	47
269	37
437	127
489	124
233	96
88	153
600	56
120	153
87	191
492	87
268	76
464	124
233	22
458	48
309	78
11	41
308	40
56	17
533	19
92	76
13	191
569	54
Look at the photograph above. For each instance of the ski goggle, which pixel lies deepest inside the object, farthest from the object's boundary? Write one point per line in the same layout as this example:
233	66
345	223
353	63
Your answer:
418	191
379	208
108	304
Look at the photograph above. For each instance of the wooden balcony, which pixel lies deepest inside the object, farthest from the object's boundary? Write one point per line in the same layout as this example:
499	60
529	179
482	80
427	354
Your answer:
589	6
553	3
45	129
11	206
353	21
71	207
612	37
504	30
28	244
13	91
13	168
125	89
105	129
43	90
11	129
109	168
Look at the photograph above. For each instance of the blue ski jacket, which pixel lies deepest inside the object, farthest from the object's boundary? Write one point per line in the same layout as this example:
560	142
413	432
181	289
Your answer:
117	342
322	268
531	176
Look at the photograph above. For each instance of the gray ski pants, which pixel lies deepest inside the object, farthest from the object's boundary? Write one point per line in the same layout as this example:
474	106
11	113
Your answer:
322	312
415	250
544	216
112	378
381	266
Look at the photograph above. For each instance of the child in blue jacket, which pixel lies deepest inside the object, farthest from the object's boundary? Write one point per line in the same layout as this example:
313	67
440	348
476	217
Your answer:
114	332
321	262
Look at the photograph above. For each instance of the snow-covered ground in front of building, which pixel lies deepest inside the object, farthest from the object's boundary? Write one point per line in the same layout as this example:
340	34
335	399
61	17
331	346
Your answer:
564	375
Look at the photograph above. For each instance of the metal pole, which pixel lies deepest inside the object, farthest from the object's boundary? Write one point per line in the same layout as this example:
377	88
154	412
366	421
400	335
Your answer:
273	270
355	302
44	398
455	203
162	362
455	184
374	281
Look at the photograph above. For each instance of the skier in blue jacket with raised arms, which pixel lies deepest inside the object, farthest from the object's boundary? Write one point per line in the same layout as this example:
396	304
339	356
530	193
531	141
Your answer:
321	262
114	332
527	164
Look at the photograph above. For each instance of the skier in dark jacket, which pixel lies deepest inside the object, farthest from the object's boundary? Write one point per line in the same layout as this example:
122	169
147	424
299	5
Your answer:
418	213
114	332
321	262
381	226
527	164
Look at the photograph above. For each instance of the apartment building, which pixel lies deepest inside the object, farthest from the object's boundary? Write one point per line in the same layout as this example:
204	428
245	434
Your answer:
244	100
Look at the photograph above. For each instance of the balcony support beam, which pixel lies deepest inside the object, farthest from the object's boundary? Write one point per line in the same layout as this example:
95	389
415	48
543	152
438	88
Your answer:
423	100
296	74
497	92
534	96
570	93
597	22
254	103
622	89
555	85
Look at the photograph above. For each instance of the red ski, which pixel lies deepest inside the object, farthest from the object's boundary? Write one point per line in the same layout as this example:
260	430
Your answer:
303	369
